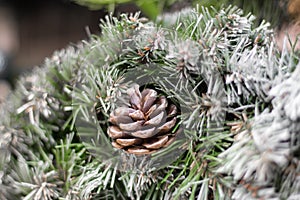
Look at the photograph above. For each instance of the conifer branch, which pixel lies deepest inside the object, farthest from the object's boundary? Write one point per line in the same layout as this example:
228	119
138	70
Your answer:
236	132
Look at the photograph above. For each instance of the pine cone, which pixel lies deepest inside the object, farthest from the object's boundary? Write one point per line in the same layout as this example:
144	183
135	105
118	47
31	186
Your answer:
146	125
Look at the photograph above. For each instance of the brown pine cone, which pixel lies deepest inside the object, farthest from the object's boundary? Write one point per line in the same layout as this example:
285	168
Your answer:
146	125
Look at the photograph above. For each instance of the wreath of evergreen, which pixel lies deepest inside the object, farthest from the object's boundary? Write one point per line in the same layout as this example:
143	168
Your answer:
241	121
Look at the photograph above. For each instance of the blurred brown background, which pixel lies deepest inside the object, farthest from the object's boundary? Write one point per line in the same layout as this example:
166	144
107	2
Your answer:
33	29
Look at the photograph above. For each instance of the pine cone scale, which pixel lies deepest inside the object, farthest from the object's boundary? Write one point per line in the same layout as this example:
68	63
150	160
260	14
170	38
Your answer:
148	102
172	111
147	133
115	132
161	107
139	151
129	142
157	144
120	119
167	126
151	110
135	97
123	111
158	119
132	126
137	115
116	145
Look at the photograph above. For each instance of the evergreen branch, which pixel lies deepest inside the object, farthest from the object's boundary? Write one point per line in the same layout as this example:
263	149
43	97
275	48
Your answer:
237	126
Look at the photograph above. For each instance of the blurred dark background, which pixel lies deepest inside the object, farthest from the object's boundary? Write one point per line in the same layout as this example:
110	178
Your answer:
33	29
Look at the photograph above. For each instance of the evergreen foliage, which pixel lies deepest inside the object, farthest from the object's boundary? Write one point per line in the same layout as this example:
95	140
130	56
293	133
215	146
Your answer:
238	96
276	12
